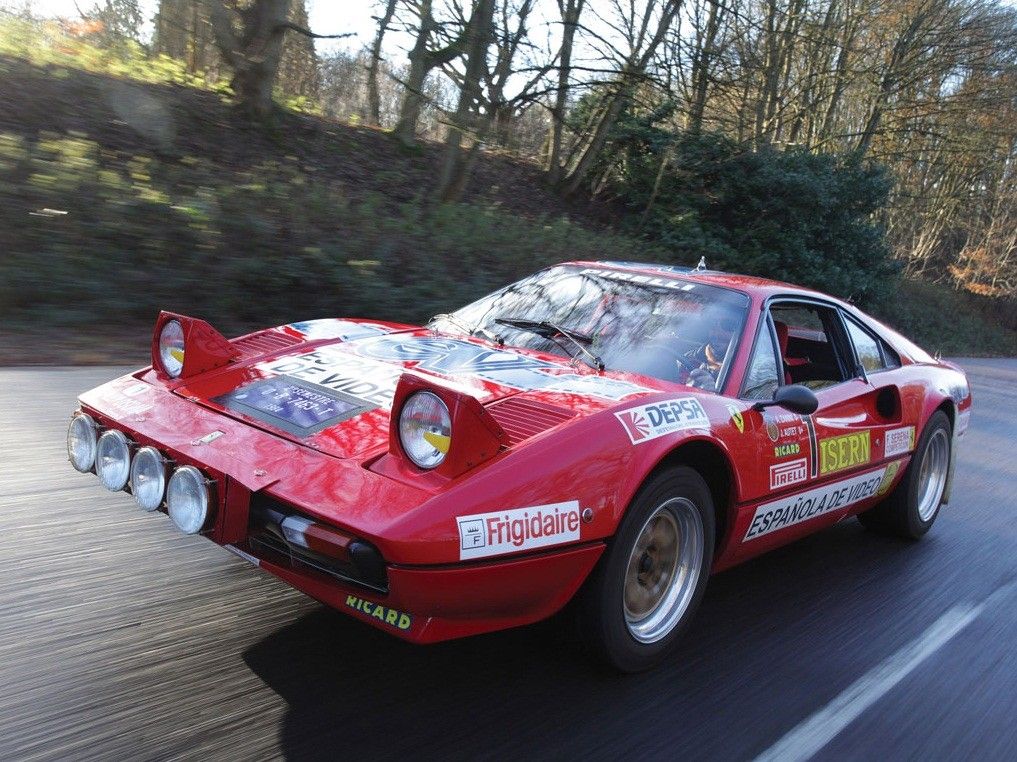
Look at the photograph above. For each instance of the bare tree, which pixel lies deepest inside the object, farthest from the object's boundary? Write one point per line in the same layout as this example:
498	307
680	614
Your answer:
426	55
479	33
641	32
249	37
373	115
570	12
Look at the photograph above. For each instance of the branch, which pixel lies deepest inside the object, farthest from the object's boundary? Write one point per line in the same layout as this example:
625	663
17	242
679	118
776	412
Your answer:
308	33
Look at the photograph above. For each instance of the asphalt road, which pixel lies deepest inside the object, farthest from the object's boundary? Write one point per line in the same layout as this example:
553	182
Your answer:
120	638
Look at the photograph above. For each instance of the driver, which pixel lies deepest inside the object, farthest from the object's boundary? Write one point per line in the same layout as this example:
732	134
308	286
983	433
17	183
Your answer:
710	356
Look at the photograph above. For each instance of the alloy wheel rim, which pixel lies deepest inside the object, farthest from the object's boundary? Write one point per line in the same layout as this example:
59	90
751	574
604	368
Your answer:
663	570
932	474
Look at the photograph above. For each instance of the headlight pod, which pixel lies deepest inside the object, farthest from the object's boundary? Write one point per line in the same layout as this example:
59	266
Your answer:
171	348
187	499
113	460
425	429
148	478
81	442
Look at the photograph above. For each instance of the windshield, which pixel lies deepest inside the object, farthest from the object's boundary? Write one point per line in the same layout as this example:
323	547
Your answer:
661	327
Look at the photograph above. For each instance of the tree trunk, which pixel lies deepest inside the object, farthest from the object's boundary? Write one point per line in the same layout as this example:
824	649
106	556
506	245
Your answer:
253	54
373	99
413	98
628	78
701	69
422	60
457	163
570	12
595	144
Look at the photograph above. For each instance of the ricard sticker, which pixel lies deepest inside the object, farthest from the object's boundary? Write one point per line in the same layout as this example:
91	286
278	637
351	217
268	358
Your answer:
656	419
491	534
899	441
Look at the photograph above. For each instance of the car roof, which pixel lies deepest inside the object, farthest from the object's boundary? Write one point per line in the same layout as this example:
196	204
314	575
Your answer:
750	284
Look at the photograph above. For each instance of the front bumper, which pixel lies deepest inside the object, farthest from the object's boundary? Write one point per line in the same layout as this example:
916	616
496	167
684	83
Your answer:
431	604
421	602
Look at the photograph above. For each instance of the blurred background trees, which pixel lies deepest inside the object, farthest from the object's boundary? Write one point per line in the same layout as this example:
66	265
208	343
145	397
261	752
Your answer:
832	142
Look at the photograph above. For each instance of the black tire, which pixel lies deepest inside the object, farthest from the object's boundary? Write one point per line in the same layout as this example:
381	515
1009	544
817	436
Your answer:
604	623
899	514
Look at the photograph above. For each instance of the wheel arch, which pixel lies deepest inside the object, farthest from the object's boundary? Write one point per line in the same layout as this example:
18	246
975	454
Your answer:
949	407
711	462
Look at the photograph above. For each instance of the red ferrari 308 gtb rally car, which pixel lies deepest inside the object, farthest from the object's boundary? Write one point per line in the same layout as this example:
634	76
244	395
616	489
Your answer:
612	431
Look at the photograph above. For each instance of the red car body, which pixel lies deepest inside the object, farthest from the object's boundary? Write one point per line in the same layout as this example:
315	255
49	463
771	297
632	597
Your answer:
538	478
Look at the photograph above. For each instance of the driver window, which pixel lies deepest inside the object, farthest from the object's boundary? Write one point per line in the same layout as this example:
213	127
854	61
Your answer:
806	338
761	380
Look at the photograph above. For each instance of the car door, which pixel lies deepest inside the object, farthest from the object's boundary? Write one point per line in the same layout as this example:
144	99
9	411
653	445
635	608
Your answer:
811	470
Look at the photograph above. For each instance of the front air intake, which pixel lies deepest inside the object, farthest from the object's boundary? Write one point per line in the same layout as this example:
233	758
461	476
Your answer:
522	419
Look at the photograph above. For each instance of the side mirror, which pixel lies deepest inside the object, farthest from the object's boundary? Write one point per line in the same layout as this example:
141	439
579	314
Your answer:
796	398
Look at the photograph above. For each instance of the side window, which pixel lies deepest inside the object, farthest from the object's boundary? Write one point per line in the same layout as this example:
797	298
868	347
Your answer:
890	358
811	344
761	380
866	347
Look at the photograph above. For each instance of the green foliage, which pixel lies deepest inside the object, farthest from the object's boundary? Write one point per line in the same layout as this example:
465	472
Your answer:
95	238
942	319
50	43
790	215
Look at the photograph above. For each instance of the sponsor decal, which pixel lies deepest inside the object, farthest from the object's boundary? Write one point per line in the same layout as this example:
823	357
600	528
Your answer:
888	477
491	534
656	419
793	430
293	405
364	368
783	426
813	446
780	514
135	389
785	474
959	392
736	418
838	453
649	280
786	450
330	328
368	380
899	441
457	358
391	617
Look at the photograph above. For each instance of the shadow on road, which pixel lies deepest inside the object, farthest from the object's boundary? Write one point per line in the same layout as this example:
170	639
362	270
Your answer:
793	612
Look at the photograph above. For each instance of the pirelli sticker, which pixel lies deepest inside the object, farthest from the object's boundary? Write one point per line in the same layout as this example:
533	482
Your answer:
786	474
780	514
843	452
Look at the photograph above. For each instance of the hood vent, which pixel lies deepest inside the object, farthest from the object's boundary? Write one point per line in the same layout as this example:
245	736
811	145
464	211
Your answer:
522	419
263	343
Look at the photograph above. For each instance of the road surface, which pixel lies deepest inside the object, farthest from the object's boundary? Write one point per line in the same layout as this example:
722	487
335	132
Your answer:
120	638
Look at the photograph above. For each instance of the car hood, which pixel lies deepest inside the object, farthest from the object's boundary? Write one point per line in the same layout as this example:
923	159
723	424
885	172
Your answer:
328	384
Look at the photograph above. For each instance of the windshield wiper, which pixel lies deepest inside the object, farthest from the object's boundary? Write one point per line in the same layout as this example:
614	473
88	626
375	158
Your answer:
462	325
552	331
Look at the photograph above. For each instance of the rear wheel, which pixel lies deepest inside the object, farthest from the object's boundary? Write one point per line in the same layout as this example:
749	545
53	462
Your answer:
911	509
646	588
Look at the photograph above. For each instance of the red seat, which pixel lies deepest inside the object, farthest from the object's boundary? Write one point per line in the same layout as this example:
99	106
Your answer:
789	362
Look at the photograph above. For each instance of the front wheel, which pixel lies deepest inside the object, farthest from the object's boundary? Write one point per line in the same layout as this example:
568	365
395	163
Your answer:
646	588
911	509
